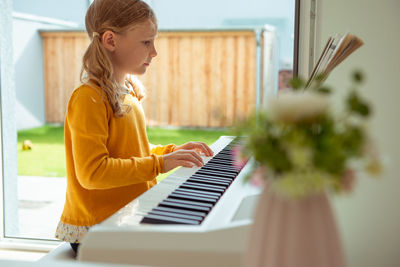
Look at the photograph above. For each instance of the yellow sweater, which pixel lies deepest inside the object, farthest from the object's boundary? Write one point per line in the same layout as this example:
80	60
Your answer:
108	160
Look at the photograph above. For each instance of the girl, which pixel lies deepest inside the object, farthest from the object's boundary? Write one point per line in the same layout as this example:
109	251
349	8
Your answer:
109	160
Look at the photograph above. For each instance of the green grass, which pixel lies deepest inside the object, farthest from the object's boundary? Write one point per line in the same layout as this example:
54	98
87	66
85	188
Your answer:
47	157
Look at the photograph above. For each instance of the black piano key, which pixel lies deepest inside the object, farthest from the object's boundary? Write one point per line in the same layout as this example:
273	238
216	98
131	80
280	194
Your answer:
176	195
212	188
219	173
176	215
195	194
157	219
219	166
181	211
211	168
213	177
226	152
233	171
177	205
188	202
221	161
208	170
199	192
208	181
202	187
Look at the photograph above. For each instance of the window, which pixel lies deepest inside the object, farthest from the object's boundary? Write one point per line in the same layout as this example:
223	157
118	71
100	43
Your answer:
33	187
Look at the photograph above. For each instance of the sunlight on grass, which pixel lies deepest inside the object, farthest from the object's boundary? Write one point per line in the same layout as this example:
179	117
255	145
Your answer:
47	157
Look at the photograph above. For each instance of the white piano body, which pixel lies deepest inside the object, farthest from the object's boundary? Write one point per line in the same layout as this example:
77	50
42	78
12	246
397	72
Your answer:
220	240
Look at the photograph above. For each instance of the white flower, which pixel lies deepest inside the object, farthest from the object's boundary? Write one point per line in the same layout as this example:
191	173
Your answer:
298	106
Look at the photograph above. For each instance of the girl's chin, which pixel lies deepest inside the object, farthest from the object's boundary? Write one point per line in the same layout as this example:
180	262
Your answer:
138	72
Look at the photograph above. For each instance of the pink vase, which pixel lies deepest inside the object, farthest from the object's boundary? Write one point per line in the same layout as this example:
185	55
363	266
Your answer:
294	232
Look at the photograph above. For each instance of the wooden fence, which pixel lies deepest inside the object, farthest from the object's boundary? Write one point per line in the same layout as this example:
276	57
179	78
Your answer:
200	78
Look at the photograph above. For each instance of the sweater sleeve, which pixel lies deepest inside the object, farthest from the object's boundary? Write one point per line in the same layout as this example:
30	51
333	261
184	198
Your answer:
162	150
87	118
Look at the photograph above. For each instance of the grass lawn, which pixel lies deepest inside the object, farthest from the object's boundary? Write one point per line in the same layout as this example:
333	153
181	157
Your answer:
47	156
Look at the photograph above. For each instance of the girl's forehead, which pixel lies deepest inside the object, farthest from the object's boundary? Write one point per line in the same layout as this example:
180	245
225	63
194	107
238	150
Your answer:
148	28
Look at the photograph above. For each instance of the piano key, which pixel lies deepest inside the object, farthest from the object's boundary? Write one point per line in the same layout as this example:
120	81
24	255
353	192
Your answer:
216	177
176	215
208	181
219	173
223	167
219	169
227	153
157	219
219	165
195	194
192	198
213	188
209	171
212	177
224	155
187	212
221	161
176	205
200	192
188	202
201	187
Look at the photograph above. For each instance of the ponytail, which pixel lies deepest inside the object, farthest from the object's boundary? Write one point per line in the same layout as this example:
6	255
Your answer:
118	16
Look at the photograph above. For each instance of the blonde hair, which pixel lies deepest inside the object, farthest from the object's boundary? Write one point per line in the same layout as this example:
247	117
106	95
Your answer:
118	16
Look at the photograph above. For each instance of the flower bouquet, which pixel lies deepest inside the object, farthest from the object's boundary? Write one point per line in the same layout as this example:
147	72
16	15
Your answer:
302	146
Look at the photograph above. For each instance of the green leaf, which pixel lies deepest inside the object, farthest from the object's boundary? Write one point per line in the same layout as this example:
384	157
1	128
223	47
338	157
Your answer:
357	105
329	155
352	140
324	90
296	83
358	77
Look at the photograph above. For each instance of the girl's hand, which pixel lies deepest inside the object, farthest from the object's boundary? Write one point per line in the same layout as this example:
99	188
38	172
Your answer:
200	147
182	157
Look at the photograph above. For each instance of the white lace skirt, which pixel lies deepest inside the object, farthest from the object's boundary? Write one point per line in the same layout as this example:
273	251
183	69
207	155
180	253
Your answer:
70	233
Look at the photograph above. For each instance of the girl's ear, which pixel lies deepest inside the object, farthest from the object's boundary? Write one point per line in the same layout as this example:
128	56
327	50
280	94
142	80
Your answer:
109	40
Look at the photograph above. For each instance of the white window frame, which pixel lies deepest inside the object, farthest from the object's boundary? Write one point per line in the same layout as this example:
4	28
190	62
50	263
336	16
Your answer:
8	130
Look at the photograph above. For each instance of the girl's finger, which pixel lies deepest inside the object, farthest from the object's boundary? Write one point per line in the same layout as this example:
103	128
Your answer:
197	155
192	156
186	164
207	150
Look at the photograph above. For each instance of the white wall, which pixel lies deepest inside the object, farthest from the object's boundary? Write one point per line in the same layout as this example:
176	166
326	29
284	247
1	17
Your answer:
370	218
71	10
29	71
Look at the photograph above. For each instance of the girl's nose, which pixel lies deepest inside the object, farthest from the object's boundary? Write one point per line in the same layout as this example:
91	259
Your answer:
153	52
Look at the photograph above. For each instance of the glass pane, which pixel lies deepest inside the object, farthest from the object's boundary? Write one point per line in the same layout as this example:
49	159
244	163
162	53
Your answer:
47	70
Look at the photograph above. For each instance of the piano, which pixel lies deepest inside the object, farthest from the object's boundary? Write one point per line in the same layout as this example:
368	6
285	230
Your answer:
194	217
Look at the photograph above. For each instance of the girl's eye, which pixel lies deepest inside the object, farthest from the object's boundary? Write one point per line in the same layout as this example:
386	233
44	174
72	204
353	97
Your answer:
147	43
